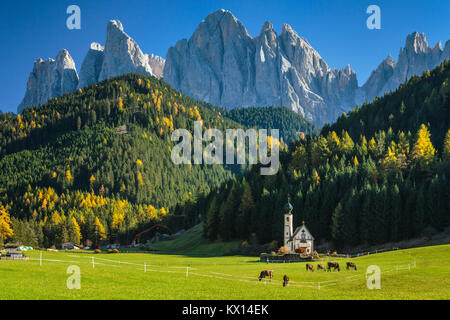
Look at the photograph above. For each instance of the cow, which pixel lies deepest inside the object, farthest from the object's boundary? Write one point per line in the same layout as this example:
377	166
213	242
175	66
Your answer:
320	266
285	280
266	273
351	265
309	266
333	265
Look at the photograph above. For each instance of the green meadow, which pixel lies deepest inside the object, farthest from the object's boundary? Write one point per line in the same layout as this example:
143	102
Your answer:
420	273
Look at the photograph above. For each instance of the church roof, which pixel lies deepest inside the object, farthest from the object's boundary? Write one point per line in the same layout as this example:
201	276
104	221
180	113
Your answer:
297	230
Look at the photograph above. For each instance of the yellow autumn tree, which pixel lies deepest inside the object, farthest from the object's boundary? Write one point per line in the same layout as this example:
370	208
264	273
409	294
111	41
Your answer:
163	211
347	143
118	214
423	150
120	103
6	230
99	231
391	160
140	180
77	231
372	145
56	219
152	213
446	151
333	142
316	178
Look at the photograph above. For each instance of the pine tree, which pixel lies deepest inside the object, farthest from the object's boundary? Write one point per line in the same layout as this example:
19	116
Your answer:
245	212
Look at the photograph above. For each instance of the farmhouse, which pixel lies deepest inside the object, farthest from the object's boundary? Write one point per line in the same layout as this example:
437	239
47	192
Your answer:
300	240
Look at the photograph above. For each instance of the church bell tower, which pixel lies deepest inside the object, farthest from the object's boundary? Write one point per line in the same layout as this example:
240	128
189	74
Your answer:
288	231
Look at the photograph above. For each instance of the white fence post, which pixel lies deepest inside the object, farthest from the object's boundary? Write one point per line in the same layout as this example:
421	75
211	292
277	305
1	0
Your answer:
318	285
93	263
145	267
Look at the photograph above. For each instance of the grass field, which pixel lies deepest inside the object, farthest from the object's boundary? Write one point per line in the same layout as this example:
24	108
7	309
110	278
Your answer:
193	242
122	276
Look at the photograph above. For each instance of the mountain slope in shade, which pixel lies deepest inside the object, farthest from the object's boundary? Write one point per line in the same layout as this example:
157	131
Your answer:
289	123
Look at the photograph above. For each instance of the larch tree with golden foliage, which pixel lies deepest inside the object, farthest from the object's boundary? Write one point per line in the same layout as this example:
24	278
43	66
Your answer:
76	230
423	150
99	232
446	151
6	230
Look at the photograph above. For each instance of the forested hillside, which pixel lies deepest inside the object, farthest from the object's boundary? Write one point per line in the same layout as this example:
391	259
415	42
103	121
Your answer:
379	174
422	99
96	164
291	124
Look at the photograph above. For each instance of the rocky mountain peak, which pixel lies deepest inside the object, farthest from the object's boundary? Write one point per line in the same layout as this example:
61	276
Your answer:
287	29
416	42
114	25
50	78
157	64
64	59
222	64
267	26
92	65
221	26
120	55
446	52
96	46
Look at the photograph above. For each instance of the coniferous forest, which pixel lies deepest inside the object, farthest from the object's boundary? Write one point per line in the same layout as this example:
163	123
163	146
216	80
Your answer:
96	165
379	174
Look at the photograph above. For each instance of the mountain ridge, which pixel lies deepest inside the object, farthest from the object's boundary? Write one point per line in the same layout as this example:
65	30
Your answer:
120	55
223	65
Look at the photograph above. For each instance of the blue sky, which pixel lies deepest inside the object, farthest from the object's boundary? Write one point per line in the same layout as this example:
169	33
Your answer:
336	29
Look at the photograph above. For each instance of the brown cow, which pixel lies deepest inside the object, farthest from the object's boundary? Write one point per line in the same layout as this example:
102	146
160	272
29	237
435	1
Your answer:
320	266
351	265
266	273
309	266
285	280
333	265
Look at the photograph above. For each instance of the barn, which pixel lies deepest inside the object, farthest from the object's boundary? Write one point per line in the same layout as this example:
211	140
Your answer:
300	239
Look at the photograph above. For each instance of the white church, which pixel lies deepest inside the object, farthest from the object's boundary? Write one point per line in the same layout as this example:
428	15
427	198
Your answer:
300	238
